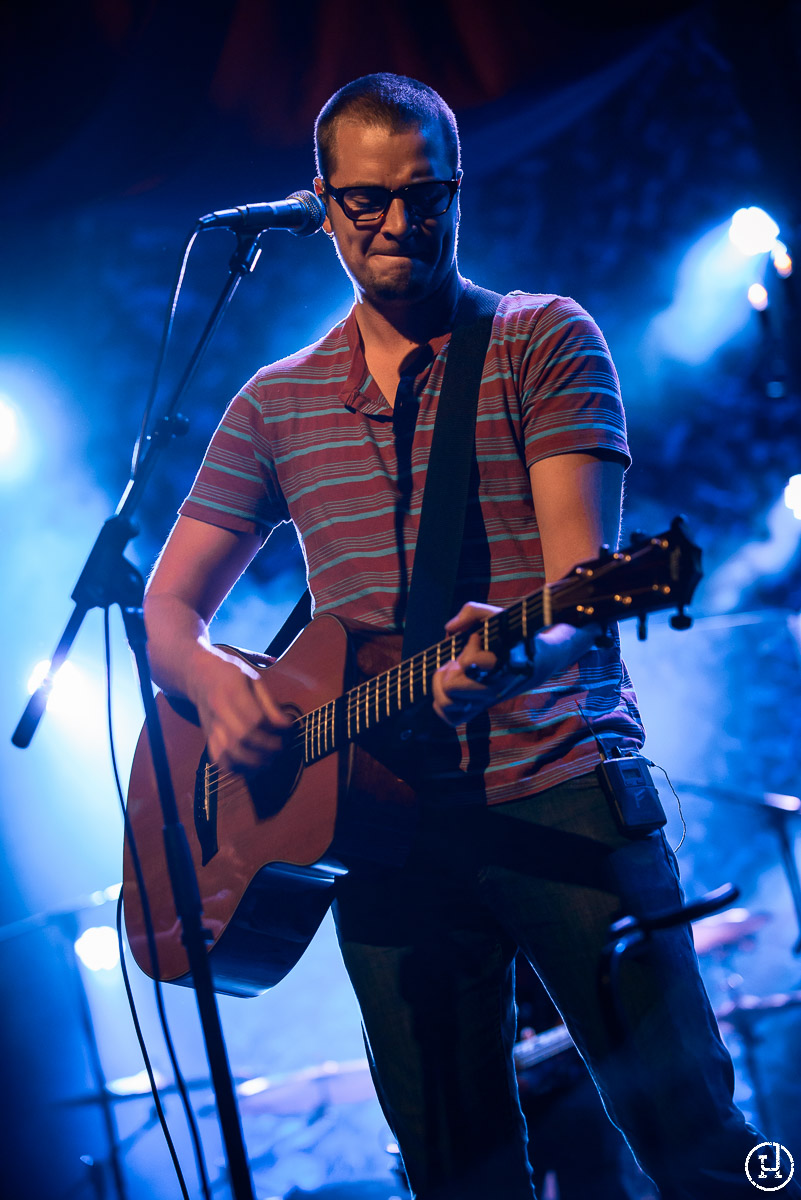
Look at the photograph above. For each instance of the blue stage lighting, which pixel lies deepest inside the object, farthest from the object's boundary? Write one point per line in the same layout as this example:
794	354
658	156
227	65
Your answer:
753	231
709	305
70	690
9	429
758	297
780	256
98	948
792	496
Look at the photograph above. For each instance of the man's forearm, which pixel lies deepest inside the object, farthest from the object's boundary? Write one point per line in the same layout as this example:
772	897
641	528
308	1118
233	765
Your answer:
178	645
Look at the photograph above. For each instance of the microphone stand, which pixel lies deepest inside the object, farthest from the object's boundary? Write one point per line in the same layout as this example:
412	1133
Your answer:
109	578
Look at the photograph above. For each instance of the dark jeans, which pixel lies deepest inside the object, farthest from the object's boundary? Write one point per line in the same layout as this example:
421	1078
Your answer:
429	948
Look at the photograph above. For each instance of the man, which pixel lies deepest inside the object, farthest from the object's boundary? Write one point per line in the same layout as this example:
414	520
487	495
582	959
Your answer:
515	844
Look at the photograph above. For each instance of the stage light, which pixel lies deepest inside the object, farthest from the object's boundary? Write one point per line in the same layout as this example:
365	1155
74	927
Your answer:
758	297
792	496
781	260
70	692
98	948
753	231
9	428
709	301
135	1085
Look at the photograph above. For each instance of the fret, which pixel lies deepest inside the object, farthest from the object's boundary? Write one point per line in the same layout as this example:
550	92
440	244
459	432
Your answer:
384	695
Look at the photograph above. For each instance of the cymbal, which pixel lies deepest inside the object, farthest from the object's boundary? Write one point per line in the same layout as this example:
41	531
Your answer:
726	930
136	1087
310	1088
745	1007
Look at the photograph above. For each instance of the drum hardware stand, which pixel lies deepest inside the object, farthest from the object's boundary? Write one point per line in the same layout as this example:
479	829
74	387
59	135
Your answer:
66	923
777	809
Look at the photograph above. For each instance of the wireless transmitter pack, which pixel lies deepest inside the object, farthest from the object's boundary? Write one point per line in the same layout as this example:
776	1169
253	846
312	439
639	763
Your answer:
632	794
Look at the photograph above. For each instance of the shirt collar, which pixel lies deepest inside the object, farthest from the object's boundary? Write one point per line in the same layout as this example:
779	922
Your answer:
360	391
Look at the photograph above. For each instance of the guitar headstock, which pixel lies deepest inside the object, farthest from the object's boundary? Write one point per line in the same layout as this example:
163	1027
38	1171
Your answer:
649	575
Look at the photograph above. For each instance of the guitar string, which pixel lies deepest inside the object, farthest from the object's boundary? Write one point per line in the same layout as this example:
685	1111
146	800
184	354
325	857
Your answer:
359	699
417	670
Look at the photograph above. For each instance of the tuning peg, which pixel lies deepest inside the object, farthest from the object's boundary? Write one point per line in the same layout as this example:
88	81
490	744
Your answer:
639	537
680	620
642	627
605	640
604	552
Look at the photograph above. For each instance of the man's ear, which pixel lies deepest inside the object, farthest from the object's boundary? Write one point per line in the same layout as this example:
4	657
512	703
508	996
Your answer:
319	190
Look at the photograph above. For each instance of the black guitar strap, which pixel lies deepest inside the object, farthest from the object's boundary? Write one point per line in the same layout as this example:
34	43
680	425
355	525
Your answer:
442	517
441	533
298	619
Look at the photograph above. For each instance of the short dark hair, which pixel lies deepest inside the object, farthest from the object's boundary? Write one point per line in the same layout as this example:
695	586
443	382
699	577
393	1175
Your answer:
395	102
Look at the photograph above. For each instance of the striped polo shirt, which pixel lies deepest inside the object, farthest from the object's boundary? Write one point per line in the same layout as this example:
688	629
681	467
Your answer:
311	439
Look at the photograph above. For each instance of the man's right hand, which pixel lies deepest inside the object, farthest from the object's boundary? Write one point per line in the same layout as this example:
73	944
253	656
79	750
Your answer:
245	728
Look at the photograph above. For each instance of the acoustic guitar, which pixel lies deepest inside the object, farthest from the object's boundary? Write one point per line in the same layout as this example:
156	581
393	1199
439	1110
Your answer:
265	846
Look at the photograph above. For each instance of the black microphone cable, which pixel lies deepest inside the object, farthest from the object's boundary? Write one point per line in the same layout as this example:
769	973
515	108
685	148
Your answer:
180	1082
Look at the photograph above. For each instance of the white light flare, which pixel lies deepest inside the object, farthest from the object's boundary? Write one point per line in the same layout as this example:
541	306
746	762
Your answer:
753	231
780	256
792	496
69	688
98	948
758	297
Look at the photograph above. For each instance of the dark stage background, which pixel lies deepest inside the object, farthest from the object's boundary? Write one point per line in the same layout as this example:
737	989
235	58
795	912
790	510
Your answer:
605	151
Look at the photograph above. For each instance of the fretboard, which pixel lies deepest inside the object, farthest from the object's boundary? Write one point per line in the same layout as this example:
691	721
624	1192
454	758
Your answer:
384	696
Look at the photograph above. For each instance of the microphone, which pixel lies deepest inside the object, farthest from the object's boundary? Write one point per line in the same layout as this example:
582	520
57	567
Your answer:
302	213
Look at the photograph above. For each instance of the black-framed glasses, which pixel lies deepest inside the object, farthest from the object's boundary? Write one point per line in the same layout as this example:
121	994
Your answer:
430	198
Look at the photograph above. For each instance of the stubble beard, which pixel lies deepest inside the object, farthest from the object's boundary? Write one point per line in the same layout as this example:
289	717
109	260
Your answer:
413	282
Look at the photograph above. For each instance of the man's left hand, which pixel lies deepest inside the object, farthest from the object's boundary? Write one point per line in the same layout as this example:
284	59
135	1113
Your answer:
458	693
467	685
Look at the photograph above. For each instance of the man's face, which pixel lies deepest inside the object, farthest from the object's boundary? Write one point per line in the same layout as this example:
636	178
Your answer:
399	258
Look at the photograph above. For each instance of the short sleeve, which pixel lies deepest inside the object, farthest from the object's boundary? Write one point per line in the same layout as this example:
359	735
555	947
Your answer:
570	389
236	487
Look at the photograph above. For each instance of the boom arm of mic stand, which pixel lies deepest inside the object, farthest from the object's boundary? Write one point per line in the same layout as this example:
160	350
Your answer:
630	932
109	578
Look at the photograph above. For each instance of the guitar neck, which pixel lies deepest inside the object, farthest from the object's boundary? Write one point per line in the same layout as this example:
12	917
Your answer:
384	696
650	575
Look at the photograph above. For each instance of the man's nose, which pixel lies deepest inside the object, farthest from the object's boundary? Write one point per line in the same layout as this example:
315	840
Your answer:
398	221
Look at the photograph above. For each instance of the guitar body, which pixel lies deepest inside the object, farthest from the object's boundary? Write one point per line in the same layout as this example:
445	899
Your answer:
258	846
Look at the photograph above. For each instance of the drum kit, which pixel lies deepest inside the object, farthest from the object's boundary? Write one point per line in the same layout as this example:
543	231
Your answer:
312	1090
